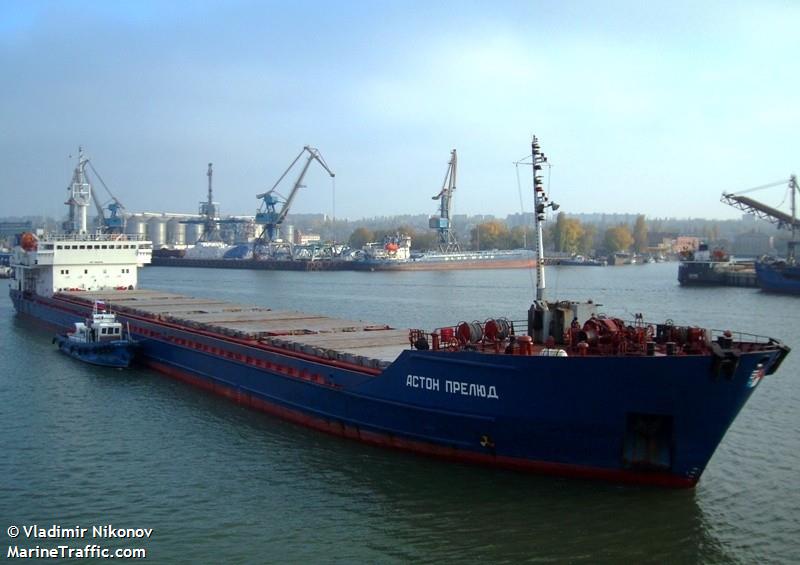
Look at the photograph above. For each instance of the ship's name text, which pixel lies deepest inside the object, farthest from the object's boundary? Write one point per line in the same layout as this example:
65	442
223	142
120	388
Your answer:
452	387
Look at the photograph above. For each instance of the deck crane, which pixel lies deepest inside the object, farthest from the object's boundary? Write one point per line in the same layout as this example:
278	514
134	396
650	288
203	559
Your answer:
274	207
781	219
441	223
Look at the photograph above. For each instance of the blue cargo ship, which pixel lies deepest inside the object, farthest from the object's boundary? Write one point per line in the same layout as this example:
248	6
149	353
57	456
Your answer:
564	391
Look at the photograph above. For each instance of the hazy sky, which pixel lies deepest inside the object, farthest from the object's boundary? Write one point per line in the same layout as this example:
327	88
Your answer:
650	107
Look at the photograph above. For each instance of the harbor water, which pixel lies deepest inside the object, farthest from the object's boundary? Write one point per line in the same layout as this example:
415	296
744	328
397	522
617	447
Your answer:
85	446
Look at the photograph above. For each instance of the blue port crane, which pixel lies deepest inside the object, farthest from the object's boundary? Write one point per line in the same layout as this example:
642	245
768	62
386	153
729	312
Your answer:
114	222
441	223
274	207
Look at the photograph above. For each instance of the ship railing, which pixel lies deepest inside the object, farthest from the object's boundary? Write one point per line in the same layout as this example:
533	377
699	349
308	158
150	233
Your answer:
604	336
738	337
95	237
494	334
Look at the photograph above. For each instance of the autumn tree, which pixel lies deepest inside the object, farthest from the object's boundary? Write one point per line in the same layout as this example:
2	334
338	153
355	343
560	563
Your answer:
490	235
618	238
360	237
567	234
640	235
558	230
571	235
586	244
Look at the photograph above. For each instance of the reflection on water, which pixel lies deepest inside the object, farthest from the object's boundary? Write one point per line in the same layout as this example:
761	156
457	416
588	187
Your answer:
87	445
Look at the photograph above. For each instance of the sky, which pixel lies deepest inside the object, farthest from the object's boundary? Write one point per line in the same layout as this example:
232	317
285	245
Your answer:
641	107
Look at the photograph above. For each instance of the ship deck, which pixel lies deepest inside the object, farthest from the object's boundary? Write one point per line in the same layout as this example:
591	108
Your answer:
354	341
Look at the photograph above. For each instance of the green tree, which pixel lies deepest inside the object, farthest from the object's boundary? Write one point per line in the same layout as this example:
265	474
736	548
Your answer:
521	237
640	235
360	236
424	240
618	238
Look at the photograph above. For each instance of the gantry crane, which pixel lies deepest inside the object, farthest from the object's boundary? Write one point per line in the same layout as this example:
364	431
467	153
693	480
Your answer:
274	207
442	223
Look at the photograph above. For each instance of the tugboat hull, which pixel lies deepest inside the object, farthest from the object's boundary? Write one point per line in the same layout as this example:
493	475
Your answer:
118	354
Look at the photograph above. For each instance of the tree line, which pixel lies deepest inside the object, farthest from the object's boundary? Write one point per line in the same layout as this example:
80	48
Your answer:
565	235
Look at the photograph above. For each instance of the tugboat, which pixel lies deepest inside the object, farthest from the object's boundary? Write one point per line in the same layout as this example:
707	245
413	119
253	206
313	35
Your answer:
99	340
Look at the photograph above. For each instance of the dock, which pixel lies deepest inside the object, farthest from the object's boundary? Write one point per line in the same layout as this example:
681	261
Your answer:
262	264
370	345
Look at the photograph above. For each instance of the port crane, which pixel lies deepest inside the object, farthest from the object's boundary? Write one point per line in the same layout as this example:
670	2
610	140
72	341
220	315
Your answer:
441	223
781	219
274	207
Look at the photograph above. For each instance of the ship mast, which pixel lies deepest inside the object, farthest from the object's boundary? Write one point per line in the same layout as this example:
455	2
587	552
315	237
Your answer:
541	203
79	197
790	252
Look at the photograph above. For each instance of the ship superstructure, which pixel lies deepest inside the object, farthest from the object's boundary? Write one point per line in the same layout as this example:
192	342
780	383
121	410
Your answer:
77	259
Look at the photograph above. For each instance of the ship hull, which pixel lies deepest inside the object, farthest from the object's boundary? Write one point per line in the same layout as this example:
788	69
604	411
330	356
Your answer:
651	420
709	273
521	259
778	278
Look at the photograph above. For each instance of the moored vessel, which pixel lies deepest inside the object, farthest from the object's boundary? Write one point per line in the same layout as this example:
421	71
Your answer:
561	389
705	267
